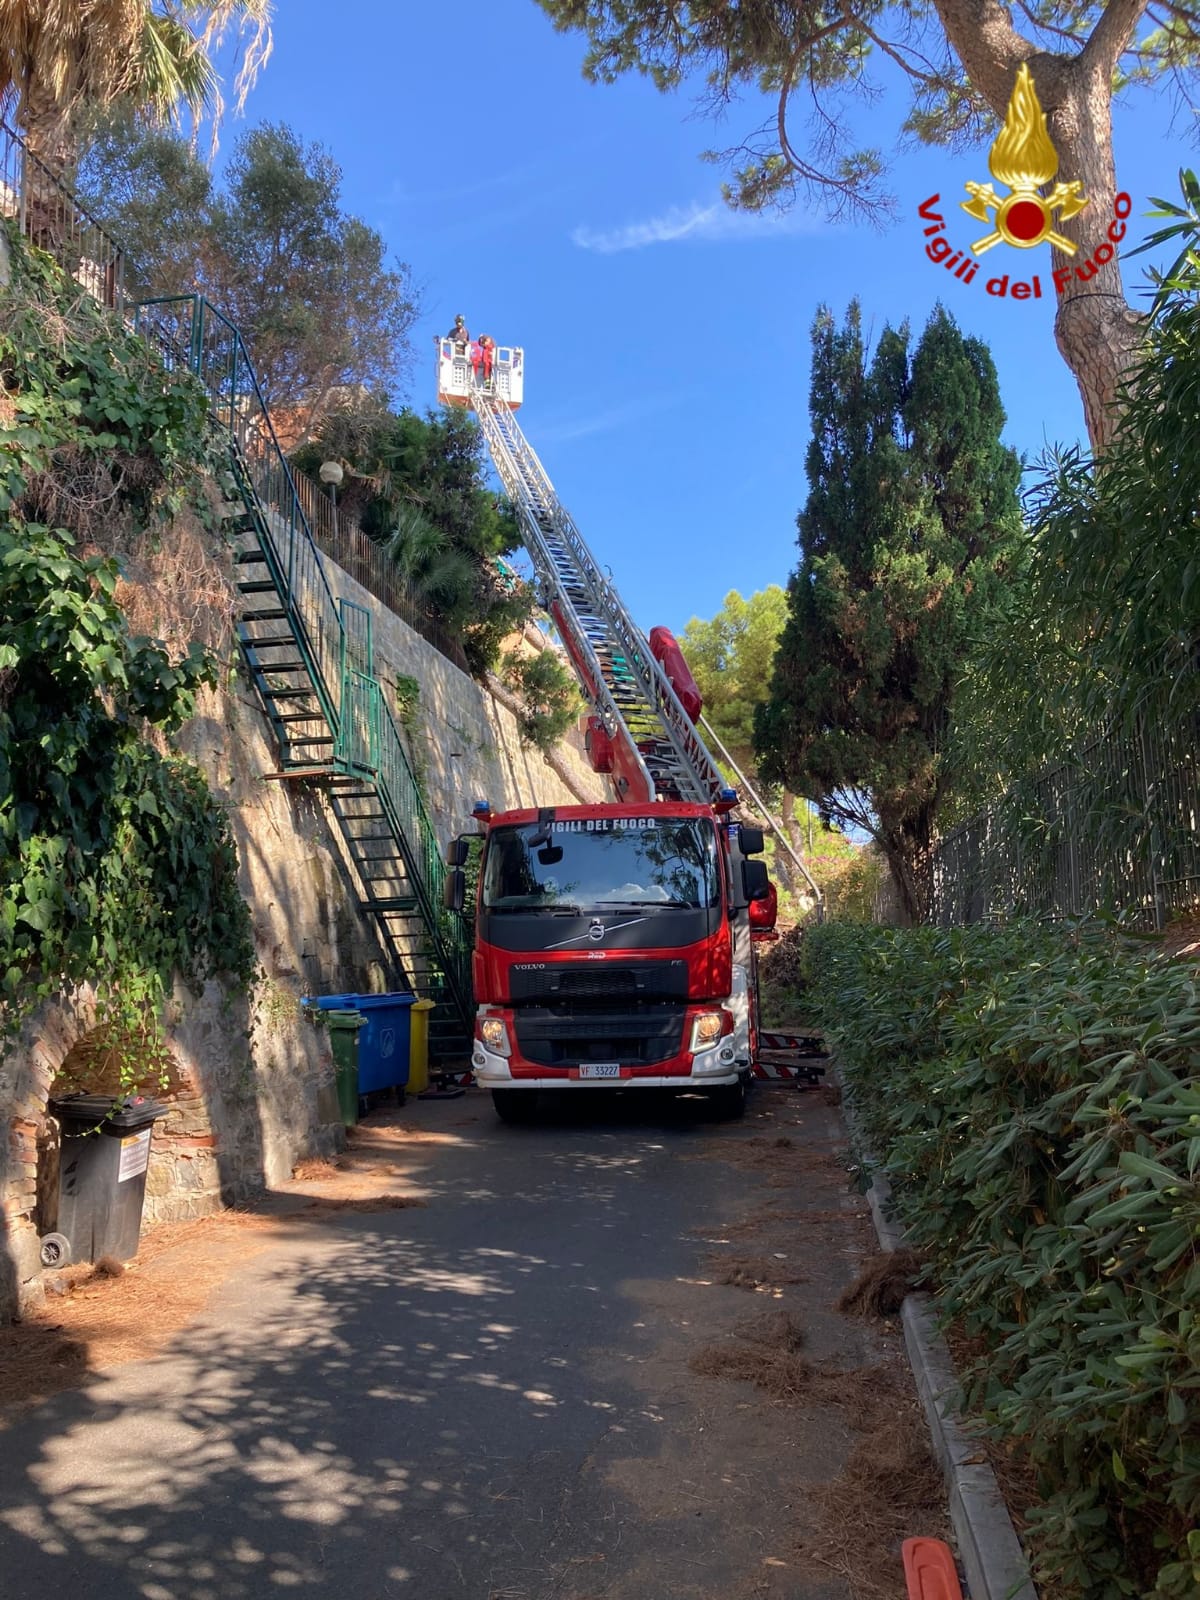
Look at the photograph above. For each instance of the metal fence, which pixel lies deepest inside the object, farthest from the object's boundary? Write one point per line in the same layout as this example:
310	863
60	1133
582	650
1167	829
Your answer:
50	216
1116	830
367	562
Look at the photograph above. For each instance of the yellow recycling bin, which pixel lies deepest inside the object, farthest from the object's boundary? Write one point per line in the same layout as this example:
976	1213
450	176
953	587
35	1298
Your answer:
418	1049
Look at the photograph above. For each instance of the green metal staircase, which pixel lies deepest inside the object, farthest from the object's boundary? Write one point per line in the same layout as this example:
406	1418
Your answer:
311	660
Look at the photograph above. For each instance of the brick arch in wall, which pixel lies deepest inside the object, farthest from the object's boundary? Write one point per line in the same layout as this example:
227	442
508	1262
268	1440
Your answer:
30	1065
59	1049
183	1147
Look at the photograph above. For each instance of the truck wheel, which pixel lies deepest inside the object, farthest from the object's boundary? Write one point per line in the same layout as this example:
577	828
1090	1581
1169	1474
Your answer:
515	1105
55	1250
729	1101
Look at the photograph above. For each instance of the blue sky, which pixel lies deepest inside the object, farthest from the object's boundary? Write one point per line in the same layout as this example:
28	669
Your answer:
667	341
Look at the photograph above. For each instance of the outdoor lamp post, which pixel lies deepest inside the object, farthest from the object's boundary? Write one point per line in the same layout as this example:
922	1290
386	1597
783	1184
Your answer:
331	473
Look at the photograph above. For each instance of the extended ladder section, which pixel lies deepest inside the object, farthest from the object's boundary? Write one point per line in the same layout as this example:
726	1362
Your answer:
659	753
310	658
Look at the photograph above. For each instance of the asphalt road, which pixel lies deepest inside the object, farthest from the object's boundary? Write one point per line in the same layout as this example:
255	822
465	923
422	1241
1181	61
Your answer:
485	1399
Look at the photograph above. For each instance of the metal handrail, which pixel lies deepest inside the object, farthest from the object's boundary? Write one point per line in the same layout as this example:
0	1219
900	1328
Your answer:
99	263
343	540
401	797
188	330
51	216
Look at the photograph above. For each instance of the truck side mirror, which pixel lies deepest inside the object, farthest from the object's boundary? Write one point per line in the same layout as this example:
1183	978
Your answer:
751	841
755	881
456	852
454	890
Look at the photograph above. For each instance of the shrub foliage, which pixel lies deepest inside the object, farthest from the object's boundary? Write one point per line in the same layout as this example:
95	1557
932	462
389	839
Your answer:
551	703
116	864
1032	1093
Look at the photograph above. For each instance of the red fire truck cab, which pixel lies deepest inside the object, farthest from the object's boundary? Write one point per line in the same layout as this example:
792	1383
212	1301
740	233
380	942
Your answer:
612	949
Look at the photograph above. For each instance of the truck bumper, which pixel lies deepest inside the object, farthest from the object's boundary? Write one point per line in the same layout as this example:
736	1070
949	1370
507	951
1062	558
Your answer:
710	1069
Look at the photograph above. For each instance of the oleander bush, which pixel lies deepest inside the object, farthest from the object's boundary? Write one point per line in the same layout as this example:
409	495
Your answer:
1033	1095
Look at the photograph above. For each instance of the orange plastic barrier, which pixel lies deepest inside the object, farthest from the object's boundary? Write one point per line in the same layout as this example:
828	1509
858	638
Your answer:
929	1570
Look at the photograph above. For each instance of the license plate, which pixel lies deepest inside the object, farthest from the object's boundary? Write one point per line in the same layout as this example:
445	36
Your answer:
601	1069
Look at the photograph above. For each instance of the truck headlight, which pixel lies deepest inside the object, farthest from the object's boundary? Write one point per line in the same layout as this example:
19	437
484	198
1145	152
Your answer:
493	1035
707	1028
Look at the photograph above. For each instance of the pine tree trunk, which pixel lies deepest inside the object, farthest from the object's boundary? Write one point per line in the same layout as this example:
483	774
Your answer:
906	901
906	842
1094	328
787	815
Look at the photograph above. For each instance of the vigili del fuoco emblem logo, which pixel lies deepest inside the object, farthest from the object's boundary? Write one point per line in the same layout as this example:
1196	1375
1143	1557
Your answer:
1022	161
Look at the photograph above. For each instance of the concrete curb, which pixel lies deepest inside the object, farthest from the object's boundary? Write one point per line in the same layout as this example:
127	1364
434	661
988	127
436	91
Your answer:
996	1567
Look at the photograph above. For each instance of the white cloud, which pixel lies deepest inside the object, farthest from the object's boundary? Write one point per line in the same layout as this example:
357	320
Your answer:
526	176
567	429
707	222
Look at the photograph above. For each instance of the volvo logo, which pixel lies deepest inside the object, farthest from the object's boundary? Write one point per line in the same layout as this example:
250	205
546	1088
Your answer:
595	933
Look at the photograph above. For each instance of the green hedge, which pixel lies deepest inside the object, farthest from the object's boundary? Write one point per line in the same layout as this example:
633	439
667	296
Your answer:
1033	1096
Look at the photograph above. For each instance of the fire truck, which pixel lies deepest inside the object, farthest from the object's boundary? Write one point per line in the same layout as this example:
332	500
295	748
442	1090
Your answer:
614	943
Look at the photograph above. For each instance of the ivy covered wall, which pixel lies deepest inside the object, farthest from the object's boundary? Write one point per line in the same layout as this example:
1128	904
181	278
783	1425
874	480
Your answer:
162	907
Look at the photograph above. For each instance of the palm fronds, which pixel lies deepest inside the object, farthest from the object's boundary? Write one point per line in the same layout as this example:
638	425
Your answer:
60	56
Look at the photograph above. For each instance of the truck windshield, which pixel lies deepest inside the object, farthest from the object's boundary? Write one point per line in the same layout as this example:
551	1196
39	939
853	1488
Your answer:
586	865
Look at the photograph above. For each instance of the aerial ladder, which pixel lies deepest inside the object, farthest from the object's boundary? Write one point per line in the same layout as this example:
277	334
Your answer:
657	751
637	719
639	732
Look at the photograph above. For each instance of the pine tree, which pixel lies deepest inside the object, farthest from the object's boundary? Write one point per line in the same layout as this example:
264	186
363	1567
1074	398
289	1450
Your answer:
958	59
911	517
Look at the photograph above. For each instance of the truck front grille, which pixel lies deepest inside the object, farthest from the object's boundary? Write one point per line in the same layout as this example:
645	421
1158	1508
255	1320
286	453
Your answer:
560	1037
620	984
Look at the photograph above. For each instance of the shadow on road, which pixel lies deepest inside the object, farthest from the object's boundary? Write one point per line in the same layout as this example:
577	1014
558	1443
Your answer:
371	1414
665	1109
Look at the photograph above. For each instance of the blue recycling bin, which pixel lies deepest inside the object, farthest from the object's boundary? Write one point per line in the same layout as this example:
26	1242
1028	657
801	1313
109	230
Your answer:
383	1043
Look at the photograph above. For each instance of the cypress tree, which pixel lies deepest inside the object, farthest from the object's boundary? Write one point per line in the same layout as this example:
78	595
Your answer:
911	518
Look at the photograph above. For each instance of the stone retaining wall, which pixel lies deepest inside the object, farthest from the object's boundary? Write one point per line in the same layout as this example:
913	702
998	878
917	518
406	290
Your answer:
252	1087
466	747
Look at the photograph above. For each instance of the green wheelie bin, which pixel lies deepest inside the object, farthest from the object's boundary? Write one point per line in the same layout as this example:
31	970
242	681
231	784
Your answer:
343	1037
